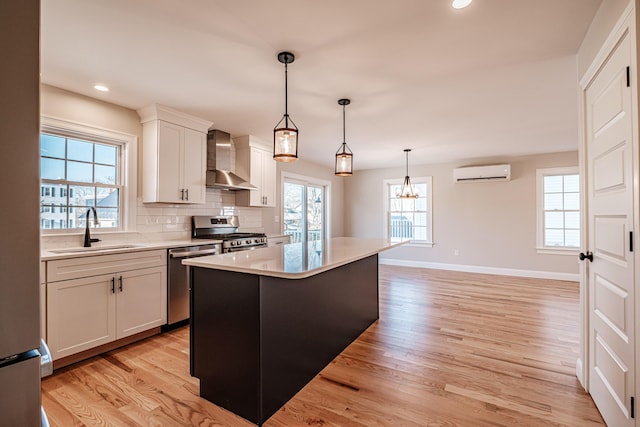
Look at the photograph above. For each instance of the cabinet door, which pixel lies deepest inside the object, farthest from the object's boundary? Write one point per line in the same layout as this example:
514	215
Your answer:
268	179
195	166
170	162
80	314
142	300
255	172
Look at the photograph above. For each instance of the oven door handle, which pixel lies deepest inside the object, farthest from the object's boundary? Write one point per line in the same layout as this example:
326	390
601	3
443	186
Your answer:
189	254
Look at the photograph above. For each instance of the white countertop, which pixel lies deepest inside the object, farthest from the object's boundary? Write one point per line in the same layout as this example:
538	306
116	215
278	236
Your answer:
108	248
295	260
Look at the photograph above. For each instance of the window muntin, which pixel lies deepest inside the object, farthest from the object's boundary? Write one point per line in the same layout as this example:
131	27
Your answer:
409	218
75	174
559	208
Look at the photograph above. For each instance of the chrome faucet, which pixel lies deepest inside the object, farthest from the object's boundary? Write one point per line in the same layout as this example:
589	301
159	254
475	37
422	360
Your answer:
87	237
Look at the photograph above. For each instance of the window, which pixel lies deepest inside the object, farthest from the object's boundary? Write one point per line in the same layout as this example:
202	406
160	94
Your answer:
558	200
409	218
83	166
304	204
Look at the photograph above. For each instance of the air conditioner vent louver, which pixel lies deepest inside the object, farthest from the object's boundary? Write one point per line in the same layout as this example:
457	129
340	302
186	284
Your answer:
482	173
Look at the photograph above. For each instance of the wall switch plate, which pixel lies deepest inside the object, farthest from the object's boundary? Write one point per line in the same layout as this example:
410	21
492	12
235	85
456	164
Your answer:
276	218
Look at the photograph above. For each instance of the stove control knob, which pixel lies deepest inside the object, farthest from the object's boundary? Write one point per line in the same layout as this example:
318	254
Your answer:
233	243
248	242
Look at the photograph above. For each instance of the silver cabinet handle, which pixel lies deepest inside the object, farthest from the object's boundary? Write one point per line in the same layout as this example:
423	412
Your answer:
120	283
182	194
187	193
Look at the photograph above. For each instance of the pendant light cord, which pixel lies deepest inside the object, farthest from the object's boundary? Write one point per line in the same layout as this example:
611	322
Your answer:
344	132
286	97
406	152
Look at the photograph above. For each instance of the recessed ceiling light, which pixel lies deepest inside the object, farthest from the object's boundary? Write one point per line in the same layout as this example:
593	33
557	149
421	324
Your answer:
461	4
101	88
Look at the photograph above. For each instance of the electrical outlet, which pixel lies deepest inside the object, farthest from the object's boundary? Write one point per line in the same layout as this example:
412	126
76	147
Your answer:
456	252
276	218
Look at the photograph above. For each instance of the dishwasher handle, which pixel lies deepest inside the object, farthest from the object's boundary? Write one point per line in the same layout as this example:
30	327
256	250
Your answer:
190	254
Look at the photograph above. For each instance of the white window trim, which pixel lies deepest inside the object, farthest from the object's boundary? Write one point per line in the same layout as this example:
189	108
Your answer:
128	165
307	180
540	174
385	208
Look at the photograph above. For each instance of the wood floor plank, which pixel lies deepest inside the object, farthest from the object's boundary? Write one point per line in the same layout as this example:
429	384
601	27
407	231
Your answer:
450	349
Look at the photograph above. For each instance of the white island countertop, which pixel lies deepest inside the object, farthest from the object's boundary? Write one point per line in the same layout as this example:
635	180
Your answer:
295	260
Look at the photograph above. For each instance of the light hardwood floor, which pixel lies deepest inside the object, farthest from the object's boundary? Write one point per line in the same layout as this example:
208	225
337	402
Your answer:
449	349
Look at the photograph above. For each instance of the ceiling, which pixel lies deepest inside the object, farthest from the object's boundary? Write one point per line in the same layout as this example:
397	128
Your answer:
495	79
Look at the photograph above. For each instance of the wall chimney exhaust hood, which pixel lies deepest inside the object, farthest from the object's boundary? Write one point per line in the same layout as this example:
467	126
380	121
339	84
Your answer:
219	175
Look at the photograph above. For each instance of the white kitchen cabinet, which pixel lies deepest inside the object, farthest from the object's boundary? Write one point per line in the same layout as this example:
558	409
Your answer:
254	162
174	156
85	312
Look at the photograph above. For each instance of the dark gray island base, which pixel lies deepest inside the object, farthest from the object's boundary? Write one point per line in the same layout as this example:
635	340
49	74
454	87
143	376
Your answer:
257	340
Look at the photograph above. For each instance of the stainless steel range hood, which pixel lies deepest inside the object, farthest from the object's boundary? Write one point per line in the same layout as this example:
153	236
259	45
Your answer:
219	175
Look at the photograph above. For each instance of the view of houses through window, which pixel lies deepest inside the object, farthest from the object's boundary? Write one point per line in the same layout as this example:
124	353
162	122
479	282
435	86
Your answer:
74	175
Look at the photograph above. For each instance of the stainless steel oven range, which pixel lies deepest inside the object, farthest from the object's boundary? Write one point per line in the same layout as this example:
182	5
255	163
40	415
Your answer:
225	228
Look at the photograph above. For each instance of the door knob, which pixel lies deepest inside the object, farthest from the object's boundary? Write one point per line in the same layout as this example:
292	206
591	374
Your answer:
588	255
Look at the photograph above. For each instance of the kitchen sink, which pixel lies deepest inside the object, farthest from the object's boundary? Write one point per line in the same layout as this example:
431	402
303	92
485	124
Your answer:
94	249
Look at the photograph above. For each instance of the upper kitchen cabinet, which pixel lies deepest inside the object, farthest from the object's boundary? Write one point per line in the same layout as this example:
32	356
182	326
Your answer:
174	155
254	162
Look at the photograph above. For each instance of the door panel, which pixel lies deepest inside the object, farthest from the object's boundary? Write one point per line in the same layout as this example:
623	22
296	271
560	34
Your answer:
142	300
80	314
610	216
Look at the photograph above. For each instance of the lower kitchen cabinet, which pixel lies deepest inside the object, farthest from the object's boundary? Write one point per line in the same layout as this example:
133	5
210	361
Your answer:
86	312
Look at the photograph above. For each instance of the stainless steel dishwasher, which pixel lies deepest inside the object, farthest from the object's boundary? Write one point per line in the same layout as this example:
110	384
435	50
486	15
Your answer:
178	285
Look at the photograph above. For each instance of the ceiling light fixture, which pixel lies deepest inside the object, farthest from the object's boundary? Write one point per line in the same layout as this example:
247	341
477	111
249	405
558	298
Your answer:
344	156
285	137
460	4
407	192
101	88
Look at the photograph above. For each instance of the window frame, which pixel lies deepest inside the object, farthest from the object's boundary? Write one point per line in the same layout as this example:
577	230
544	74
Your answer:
540	247
127	167
387	183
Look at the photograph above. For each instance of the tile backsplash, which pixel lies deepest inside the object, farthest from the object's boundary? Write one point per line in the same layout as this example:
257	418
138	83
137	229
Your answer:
163	221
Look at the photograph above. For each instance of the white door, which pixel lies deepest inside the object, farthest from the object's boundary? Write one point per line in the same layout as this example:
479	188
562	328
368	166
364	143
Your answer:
80	314
611	275
195	166
170	138
142	300
268	179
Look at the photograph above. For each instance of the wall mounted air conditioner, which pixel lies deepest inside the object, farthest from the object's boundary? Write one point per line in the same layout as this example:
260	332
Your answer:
482	173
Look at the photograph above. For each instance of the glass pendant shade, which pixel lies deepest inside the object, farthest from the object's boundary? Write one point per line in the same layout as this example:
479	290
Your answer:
344	161
285	134
344	156
407	191
285	142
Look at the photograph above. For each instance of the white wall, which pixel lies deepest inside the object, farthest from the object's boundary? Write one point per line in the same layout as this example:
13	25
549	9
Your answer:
491	224
602	24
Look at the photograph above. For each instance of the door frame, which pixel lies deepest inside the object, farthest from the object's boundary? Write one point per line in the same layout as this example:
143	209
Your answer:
625	24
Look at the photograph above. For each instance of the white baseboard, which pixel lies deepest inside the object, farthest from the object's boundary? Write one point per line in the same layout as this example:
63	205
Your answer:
485	270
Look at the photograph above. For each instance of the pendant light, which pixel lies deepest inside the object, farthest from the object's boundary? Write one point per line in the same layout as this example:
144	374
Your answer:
407	192
344	156
285	135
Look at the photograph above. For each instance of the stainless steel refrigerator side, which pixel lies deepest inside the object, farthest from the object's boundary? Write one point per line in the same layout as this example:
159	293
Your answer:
19	213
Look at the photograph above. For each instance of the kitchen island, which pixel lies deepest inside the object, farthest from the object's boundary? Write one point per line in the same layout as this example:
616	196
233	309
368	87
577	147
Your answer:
265	322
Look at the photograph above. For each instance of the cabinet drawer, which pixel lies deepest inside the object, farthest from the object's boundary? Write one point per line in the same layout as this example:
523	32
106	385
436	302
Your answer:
74	268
